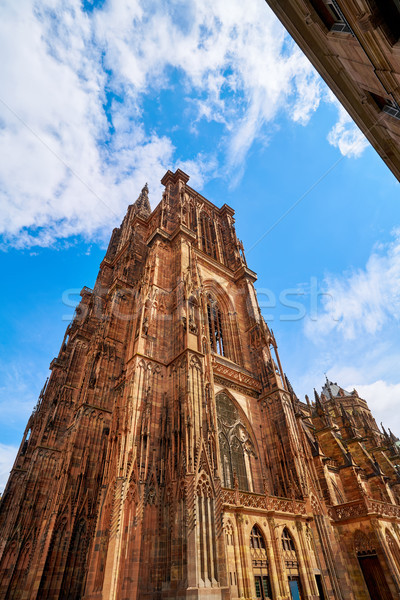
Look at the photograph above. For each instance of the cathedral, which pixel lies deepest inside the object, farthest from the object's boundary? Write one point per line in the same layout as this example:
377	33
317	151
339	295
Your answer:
168	456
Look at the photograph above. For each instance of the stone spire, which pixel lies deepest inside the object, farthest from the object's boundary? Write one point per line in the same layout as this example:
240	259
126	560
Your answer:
320	412
142	204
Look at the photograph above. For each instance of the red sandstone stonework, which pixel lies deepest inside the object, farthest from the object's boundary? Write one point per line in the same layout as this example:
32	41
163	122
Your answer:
169	457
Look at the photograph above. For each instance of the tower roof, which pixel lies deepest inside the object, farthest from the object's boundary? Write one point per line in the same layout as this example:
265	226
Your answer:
333	390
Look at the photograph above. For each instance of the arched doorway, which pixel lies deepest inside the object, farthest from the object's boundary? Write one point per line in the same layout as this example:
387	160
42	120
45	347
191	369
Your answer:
260	564
371	568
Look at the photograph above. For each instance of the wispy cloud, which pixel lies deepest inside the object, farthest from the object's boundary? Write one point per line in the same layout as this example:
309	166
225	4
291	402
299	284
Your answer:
73	90
345	134
363	300
355	333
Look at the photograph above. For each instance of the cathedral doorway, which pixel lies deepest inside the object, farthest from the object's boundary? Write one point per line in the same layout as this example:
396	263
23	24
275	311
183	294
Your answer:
371	568
374	577
294	585
260	564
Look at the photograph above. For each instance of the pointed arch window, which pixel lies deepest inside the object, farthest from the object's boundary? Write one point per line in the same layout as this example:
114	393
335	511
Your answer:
290	558
222	246
257	539
208	236
235	445
215	326
338	494
394	548
287	541
193	218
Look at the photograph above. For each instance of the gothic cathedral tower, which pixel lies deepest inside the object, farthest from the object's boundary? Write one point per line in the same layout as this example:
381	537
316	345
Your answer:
167	456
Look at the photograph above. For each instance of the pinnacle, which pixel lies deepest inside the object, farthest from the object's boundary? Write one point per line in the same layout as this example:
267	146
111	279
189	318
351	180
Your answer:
142	204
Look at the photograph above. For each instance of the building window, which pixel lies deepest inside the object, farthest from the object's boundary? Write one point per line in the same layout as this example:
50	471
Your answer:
388	14
330	13
263	587
193	218
386	105
338	494
235	445
215	326
222	246
256	539
208	236
392	108
287	541
394	548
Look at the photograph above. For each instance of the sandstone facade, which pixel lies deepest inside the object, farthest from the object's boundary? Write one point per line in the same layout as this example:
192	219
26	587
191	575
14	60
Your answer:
168	455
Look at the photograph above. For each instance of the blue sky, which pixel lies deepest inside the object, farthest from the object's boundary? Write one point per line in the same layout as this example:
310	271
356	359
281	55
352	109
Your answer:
99	97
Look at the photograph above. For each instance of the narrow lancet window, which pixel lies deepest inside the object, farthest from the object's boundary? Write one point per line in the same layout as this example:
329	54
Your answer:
215	326
287	541
257	539
208	236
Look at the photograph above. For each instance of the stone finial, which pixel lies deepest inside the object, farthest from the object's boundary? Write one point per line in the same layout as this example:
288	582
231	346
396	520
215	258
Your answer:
142	204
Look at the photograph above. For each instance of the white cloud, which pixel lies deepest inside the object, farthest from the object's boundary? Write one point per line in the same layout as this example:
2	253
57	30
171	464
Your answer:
355	334
384	400
57	179
345	134
7	457
70	165
200	169
362	301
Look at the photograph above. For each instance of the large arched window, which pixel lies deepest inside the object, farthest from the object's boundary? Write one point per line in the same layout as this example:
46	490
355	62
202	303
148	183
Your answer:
235	445
215	326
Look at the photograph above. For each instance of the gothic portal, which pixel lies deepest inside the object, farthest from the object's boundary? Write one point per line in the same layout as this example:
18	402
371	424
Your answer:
168	455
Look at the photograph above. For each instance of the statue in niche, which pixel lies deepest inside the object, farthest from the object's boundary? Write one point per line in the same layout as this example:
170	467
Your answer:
94	371
145	327
241	252
192	318
192	325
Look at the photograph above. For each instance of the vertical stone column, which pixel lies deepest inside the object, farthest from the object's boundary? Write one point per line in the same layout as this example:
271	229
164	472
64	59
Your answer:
238	564
247	567
305	566
211	537
282	583
273	559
